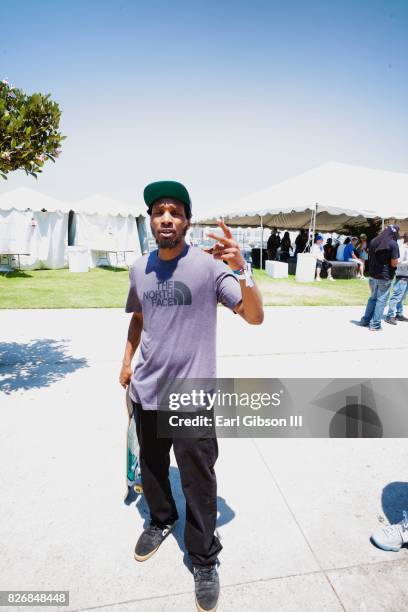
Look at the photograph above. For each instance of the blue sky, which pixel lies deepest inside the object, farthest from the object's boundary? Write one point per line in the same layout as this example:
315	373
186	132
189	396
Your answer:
227	96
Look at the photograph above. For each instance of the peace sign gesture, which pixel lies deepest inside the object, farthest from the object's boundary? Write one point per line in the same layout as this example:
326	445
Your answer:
226	248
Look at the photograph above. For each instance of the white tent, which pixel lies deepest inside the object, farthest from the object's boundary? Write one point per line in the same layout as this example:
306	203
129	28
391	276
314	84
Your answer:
36	224
105	225
339	193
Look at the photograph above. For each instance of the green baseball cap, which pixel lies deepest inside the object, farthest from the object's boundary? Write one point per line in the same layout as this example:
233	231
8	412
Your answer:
167	189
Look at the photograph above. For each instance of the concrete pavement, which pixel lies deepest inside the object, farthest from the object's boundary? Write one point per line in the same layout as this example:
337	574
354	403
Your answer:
294	515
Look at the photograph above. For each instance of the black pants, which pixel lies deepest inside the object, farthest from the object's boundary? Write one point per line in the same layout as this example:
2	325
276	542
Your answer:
272	253
195	459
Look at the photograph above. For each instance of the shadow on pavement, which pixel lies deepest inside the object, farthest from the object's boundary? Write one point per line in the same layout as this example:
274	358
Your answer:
225	513
35	364
357	323
394	500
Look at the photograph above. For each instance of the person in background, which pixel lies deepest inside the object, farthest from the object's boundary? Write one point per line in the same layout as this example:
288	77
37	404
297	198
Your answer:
335	247
329	250
273	243
362	248
285	247
350	255
382	263
300	242
340	249
400	289
321	262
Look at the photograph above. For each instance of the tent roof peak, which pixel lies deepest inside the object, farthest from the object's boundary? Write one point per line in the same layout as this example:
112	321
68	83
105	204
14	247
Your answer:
104	205
22	198
337	188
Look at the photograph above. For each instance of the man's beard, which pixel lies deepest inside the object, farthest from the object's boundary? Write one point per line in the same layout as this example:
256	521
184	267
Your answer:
169	243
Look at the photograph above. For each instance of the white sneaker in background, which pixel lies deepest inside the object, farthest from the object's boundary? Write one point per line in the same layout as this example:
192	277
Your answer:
392	537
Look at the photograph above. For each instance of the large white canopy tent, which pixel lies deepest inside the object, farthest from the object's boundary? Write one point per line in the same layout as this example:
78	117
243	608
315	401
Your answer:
33	223
339	194
103	224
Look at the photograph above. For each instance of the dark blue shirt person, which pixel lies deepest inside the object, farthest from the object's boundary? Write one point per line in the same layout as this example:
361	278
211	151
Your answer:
348	251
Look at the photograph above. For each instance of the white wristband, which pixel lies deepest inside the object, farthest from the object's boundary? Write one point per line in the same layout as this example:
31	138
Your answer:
245	275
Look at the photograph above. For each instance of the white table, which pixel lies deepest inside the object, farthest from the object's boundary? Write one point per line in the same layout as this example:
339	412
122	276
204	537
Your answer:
116	253
276	269
8	267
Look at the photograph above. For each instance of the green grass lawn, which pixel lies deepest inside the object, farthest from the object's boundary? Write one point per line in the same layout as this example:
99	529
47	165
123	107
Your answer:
287	292
107	288
98	288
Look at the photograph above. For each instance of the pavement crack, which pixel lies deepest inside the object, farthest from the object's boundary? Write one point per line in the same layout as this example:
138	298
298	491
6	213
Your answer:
238	584
324	352
306	539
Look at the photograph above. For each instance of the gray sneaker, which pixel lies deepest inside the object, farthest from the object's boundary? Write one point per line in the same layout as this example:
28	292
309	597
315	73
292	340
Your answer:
392	537
150	540
207	587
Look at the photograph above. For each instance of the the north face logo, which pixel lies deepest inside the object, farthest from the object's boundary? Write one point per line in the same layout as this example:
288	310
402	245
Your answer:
182	293
169	293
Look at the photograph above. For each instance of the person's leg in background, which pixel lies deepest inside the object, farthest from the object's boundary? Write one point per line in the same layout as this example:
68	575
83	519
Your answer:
397	294
318	269
368	315
326	265
400	306
383	291
272	254
392	537
360	269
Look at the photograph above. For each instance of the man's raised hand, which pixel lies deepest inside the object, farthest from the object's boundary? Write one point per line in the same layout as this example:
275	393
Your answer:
226	248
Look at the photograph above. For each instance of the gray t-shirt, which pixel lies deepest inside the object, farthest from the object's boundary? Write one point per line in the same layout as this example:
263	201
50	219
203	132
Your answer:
178	299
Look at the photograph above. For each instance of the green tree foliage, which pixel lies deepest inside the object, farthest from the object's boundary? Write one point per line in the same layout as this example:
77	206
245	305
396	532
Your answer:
29	133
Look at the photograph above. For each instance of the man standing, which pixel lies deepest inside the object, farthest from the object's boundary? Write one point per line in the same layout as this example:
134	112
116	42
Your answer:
173	296
400	289
273	244
382	263
301	242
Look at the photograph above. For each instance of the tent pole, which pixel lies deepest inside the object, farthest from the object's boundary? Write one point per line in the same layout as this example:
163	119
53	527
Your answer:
262	231
314	221
312	229
382	224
